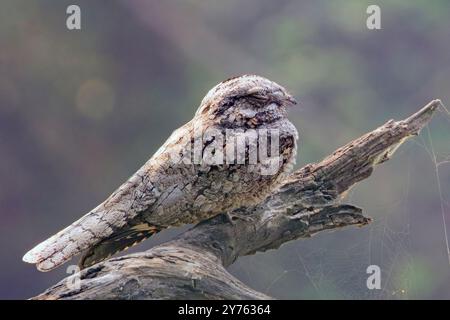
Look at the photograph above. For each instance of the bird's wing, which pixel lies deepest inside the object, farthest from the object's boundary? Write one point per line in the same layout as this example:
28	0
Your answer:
118	241
132	198
113	214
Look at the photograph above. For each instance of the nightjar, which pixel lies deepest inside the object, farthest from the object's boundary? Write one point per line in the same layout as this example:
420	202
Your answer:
233	153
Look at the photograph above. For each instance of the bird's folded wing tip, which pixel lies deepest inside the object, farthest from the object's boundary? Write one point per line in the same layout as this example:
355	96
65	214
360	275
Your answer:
30	257
35	255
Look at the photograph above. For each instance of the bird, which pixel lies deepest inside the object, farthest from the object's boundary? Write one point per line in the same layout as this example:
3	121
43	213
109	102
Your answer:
181	184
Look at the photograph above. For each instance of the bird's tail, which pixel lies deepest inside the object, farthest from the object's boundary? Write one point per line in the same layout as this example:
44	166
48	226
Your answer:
121	240
72	240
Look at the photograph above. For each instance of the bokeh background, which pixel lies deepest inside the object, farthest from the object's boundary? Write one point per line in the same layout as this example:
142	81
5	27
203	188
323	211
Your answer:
80	111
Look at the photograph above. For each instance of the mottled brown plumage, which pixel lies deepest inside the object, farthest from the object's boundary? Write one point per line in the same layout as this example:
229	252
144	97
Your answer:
180	185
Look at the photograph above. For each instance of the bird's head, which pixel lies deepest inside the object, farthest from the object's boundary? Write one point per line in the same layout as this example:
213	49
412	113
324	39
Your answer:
245	101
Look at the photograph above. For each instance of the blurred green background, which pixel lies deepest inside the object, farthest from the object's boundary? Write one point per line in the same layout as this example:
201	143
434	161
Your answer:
80	111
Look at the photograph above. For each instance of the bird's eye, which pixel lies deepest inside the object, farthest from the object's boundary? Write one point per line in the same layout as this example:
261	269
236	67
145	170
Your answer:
258	96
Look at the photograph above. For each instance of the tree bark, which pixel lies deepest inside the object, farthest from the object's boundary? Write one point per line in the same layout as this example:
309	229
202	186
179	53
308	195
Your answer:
193	265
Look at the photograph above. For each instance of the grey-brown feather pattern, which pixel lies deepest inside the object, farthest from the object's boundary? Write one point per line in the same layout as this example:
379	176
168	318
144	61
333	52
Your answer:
169	190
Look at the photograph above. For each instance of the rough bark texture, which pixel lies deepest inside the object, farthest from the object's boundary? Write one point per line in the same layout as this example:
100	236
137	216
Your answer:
192	266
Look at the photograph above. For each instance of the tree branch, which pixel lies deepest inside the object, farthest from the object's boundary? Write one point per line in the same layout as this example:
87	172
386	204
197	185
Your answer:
192	266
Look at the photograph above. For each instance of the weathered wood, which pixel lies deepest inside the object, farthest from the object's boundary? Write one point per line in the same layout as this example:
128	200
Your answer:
192	266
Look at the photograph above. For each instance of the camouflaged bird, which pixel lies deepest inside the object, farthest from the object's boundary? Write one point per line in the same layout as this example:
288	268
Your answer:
172	190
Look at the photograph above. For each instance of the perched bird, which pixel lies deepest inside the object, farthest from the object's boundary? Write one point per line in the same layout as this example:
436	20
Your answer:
180	184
